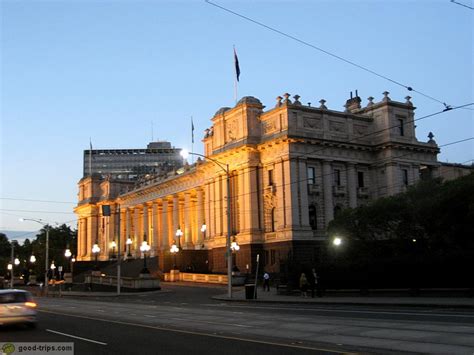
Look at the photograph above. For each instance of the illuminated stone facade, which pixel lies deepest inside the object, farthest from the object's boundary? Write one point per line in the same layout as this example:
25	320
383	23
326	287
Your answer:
291	169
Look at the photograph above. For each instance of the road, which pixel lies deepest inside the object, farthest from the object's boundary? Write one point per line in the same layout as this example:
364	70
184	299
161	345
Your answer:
185	320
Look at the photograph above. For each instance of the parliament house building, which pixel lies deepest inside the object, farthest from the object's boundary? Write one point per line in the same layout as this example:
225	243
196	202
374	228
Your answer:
291	169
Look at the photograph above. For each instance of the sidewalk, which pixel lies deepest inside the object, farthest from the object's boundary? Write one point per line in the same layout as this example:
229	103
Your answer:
272	297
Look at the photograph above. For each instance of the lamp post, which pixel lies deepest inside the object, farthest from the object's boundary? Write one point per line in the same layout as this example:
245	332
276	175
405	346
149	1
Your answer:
184	153
144	248
203	230
173	250
46	262
113	245
10	268
73	260
68	253
53	267
129	243
96	251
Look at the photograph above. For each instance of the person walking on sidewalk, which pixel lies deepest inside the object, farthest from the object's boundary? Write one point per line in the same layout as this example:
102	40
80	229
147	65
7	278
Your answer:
266	282
315	285
304	285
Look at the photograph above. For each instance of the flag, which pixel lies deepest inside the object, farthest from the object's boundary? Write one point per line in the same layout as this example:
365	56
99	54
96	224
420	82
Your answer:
192	130
236	62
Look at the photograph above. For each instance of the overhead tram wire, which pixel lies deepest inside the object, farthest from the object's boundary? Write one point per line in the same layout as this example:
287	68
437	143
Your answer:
407	87
458	3
31	200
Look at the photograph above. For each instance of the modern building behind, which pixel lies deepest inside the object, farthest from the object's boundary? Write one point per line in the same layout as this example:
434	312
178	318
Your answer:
291	168
158	158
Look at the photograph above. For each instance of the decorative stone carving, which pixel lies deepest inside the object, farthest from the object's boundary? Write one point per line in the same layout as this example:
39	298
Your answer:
385	96
297	102
360	130
336	126
269	126
371	101
312	123
232	130
408	102
287	98
323	106
278	104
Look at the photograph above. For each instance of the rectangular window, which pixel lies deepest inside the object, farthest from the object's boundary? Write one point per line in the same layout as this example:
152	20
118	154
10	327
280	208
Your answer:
267	259
311	176
401	127
270	177
360	178
337	177
272	257
405	177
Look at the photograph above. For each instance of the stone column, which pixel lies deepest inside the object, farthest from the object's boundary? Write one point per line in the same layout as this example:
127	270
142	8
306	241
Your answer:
292	203
111	228
393	178
136	231
82	237
224	198
164	226
154	226
303	193
219	212
211	222
200	216
327	193
187	213
175	213
352	185
145	225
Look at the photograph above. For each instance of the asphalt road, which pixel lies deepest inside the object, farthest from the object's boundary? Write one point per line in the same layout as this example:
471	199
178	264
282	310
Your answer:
185	320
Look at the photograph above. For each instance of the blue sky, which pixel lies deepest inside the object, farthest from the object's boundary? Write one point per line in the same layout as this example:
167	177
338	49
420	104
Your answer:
71	70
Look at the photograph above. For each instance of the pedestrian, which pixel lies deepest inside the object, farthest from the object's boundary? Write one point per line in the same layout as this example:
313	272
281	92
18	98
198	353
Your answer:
303	285
266	282
315	285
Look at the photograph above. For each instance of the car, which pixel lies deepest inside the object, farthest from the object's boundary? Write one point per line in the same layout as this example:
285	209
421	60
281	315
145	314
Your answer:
17	307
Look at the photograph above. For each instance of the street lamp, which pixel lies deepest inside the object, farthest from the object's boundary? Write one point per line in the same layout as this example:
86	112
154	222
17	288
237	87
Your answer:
53	267
17	261
96	251
144	248
184	153
113	245
68	255
73	260
337	241
32	259
203	230
129	243
46	262
173	250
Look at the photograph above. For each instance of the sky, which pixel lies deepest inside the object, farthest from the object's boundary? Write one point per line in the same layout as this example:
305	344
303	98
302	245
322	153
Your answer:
107	71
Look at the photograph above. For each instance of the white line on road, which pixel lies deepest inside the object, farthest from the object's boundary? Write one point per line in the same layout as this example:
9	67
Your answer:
219	323
147	315
76	337
348	311
203	334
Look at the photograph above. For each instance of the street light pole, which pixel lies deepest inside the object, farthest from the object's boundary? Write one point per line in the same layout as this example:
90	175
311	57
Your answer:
228	252
46	261
12	264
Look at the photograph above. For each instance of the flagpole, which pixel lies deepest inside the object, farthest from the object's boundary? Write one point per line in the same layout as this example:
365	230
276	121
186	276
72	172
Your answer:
90	157
192	141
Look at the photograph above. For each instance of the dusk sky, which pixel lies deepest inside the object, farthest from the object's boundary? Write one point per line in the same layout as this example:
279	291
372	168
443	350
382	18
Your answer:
77	70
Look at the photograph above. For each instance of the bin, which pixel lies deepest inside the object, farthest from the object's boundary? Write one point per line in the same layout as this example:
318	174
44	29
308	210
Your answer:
250	291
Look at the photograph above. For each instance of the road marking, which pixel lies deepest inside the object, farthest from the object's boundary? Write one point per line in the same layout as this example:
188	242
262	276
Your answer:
349	311
219	323
147	315
75	337
203	334
100	310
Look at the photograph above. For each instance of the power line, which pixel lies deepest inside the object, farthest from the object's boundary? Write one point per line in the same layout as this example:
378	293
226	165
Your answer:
59	212
31	200
458	3
409	88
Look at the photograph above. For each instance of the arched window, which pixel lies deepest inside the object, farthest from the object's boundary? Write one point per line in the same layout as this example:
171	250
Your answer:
313	218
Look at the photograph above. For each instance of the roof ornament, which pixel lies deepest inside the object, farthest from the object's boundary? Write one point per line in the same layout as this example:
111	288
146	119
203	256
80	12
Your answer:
322	106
